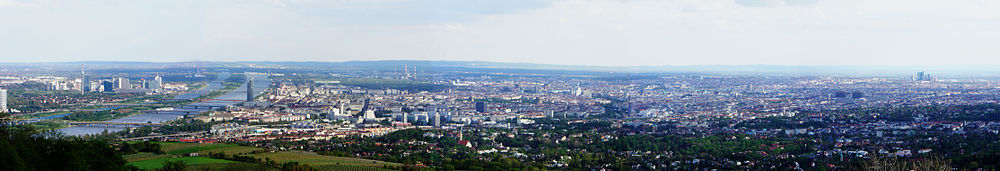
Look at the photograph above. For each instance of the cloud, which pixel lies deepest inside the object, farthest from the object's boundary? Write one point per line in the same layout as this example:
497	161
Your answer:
408	12
774	3
800	2
442	27
600	32
759	3
13	4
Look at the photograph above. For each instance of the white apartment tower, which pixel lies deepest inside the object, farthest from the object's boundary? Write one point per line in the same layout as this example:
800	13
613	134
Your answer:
3	101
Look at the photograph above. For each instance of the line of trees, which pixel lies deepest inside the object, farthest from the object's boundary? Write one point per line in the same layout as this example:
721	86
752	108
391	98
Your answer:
25	148
144	146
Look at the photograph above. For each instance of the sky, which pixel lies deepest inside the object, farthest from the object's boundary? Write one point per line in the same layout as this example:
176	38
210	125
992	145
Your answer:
570	32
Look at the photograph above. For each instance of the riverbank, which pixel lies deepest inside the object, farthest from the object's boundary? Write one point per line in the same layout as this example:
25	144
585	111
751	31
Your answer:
214	91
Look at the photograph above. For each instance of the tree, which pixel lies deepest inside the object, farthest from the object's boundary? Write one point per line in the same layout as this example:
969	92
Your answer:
884	163
173	165
295	166
271	162
24	148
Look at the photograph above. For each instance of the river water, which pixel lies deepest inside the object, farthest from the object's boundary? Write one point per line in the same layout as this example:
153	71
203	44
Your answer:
261	83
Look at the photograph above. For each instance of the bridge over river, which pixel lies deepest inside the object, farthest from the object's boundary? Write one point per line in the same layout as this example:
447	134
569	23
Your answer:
159	117
164	136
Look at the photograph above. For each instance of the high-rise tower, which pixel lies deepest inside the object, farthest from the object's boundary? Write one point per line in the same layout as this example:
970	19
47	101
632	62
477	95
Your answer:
628	95
123	83
108	86
84	82
437	119
157	84
250	89
3	101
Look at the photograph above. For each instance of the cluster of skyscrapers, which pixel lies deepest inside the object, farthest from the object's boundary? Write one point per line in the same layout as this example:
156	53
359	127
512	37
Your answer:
116	84
122	84
921	76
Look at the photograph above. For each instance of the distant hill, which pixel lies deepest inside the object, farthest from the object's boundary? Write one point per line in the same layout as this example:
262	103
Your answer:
853	69
523	67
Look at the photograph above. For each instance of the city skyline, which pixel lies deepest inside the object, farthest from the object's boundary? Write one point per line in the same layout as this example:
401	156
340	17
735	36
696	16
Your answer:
367	110
611	85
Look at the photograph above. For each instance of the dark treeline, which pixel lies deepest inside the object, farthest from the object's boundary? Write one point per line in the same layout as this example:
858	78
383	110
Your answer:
25	148
185	125
143	146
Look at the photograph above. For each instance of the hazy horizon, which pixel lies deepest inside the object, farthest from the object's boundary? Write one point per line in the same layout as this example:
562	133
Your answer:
579	33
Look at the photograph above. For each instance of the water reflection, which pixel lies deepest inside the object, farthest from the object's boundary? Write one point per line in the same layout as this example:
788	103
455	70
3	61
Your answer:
52	116
261	83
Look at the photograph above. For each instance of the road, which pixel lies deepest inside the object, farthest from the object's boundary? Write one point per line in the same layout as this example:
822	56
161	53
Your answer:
164	136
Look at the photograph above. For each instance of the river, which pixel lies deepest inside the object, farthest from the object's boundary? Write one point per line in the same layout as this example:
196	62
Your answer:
261	83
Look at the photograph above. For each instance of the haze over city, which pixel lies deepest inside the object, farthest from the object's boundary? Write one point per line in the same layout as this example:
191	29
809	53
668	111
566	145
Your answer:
604	33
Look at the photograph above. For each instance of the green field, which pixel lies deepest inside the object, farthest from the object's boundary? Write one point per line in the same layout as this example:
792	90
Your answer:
178	151
185	148
349	168
321	161
143	156
158	162
230	166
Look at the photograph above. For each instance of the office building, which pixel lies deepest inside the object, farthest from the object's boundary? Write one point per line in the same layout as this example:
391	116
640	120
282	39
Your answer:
437	119
921	76
3	101
157	84
405	117
250	95
84	82
840	94
122	83
108	86
857	94
369	114
334	113
481	107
